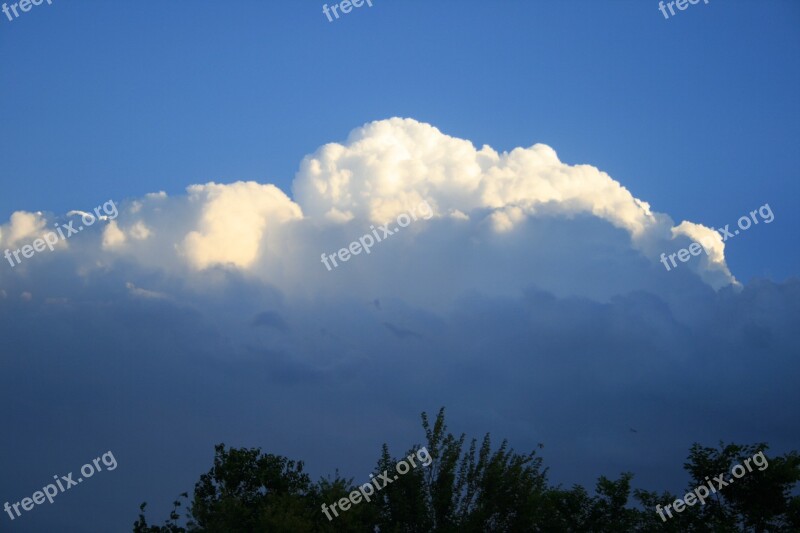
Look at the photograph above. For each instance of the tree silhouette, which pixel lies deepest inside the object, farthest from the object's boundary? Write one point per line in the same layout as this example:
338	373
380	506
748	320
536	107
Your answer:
478	488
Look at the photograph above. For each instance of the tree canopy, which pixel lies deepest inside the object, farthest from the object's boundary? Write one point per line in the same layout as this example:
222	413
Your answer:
476	487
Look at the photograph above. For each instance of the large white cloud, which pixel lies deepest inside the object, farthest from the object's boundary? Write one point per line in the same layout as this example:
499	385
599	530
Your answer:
387	167
482	201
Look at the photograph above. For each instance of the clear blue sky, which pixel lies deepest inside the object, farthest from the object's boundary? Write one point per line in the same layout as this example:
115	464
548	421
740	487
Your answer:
697	114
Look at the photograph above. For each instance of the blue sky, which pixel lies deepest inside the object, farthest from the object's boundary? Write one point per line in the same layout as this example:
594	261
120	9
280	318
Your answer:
532	305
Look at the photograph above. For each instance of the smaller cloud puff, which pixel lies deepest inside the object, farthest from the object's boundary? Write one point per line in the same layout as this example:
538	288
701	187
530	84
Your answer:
22	228
234	219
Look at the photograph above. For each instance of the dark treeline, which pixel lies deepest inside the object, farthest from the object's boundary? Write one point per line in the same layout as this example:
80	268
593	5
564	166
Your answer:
473	487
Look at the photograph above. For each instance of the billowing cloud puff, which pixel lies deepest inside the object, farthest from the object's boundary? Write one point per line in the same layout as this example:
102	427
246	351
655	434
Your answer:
112	235
388	166
712	244
383	170
234	219
140	231
21	227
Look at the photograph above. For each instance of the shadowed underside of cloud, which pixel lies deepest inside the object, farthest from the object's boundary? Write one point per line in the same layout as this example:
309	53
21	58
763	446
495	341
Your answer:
531	303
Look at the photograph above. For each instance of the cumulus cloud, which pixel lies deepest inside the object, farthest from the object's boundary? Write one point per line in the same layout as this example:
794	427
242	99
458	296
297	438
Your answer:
140	231
21	227
112	235
387	166
712	244
233	220
383	169
534	291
